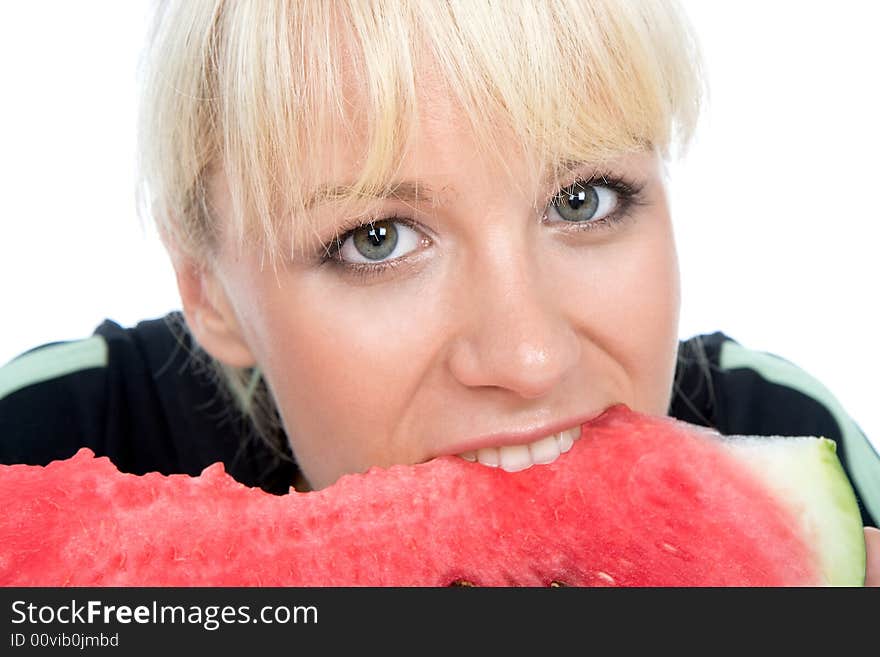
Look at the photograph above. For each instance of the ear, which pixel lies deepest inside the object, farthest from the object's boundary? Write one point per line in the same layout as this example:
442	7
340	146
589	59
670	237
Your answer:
210	316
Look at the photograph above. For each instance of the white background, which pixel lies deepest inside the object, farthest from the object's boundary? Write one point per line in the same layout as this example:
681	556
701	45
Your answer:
775	205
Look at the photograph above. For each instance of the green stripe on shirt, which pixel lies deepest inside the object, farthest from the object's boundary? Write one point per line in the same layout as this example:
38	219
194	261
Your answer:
862	460
51	362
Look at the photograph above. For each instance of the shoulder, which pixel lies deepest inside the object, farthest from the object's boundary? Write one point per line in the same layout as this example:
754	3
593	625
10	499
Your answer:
61	396
52	400
144	396
51	363
738	390
61	365
756	392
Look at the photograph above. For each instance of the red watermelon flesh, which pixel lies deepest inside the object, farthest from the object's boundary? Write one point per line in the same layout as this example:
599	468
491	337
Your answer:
638	501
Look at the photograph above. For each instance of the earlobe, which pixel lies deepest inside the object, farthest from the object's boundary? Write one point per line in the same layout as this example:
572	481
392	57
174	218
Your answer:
210	317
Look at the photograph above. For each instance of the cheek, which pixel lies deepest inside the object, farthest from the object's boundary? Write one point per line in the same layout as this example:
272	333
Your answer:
654	342
343	373
627	309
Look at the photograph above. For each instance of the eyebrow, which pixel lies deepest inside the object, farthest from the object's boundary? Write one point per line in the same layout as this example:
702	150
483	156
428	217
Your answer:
412	191
406	191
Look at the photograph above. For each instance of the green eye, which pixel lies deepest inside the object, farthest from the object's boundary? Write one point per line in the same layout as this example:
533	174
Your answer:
375	241
583	202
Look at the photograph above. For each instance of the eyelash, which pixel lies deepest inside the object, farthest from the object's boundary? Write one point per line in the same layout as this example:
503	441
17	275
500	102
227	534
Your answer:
627	190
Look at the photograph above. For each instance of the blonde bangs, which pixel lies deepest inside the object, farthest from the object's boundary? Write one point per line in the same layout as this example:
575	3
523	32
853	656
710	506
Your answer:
573	81
264	91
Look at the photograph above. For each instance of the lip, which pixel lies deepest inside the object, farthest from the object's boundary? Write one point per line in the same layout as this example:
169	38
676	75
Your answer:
503	439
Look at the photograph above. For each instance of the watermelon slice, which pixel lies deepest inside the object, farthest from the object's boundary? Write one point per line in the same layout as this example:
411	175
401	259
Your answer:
638	501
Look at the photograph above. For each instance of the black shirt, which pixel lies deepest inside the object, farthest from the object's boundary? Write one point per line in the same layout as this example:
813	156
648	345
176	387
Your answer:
143	397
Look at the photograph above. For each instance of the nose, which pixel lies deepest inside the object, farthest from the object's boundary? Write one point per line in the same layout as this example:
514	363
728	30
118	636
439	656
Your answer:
513	332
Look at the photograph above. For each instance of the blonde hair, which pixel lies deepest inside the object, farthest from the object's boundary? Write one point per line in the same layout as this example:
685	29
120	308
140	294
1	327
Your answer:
258	90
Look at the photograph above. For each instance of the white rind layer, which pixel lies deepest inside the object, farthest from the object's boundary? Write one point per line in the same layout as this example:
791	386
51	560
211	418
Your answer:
807	476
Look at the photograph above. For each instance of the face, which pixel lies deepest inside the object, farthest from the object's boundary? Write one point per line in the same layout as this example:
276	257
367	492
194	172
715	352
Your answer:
471	321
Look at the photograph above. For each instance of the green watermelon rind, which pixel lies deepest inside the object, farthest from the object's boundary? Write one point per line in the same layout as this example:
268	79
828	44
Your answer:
807	476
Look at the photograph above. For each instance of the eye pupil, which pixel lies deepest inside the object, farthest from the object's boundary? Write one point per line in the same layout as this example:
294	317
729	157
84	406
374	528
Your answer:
576	200
377	235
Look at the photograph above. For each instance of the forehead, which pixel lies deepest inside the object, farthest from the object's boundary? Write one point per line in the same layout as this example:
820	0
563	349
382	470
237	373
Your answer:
437	145
420	121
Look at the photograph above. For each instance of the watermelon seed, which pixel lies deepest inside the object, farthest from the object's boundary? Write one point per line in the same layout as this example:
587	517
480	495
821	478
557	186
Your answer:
676	551
555	584
460	582
603	575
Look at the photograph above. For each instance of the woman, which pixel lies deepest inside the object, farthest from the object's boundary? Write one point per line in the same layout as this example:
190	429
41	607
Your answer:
404	230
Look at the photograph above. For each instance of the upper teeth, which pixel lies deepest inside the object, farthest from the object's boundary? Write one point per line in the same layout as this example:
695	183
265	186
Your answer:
519	457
